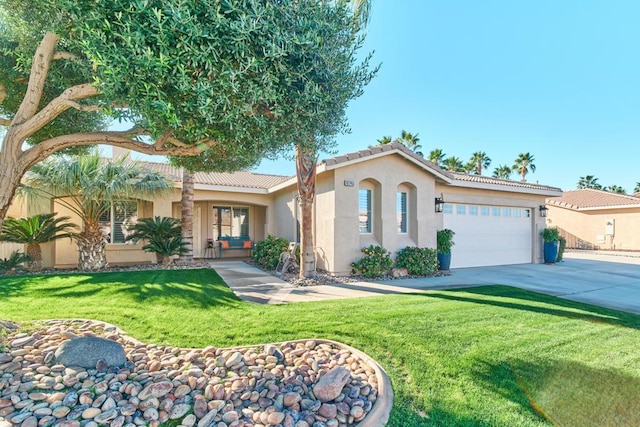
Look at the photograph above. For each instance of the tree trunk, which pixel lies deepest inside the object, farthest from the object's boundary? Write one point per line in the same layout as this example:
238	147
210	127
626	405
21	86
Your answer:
187	216
306	172
35	254
91	250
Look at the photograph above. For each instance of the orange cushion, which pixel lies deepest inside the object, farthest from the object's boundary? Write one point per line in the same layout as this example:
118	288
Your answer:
224	244
247	244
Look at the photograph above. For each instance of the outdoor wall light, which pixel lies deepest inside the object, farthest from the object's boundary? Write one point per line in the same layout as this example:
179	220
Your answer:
439	203
543	211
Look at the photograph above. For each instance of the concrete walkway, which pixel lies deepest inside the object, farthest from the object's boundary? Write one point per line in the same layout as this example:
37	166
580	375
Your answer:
589	277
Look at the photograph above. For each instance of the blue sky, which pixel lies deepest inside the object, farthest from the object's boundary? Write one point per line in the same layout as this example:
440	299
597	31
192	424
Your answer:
558	79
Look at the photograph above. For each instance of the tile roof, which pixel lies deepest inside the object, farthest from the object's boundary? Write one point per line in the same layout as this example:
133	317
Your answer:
498	181
241	179
590	198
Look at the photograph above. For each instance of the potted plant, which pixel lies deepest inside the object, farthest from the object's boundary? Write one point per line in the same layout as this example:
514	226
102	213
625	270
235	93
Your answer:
551	237
444	240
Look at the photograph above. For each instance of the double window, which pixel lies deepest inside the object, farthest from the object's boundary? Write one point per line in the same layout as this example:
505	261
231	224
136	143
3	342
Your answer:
116	221
230	221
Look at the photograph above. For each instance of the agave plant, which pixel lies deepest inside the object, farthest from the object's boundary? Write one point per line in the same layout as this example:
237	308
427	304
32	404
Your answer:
35	230
8	265
162	236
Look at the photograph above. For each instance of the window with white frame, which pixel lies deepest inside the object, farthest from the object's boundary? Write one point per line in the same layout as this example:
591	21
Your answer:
473	210
230	221
448	208
115	222
364	210
484	210
461	210
401	210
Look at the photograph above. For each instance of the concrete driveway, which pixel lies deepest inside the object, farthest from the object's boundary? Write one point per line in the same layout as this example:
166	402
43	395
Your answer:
590	280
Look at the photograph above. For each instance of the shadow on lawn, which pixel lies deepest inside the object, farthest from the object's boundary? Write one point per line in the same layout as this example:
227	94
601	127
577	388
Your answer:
538	303
567	393
202	288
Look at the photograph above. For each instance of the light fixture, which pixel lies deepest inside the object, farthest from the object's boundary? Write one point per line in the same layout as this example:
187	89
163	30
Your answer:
543	211
439	203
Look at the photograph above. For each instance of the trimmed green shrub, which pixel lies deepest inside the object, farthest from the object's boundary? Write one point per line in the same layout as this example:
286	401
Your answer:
267	253
418	261
561	248
444	241
550	234
375	262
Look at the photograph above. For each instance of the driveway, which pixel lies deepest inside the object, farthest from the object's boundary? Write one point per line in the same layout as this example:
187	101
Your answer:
590	280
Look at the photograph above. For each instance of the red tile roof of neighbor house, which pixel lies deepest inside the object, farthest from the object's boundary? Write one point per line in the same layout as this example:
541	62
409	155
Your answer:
589	199
242	179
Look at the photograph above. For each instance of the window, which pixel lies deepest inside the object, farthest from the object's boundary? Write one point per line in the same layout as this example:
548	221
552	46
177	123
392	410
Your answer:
461	210
364	210
115	222
517	213
448	208
230	221
506	212
401	209
484	211
495	211
473	210
527	213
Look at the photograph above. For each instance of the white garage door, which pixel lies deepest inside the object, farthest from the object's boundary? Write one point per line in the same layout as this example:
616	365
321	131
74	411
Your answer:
488	235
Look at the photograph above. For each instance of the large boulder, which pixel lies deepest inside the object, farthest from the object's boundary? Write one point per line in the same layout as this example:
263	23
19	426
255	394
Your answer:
330	385
86	352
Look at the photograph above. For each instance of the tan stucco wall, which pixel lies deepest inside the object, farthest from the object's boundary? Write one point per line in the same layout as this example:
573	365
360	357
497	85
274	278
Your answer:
591	226
500	198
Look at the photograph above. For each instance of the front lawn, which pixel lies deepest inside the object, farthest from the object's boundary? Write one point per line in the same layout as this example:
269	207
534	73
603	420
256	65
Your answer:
488	356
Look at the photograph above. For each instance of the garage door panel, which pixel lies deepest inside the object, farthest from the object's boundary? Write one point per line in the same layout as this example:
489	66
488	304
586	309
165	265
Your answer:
493	239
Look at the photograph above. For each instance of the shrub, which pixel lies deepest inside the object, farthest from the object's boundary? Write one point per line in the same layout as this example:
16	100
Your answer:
550	234
11	264
444	239
375	262
561	248
418	261
267	253
162	236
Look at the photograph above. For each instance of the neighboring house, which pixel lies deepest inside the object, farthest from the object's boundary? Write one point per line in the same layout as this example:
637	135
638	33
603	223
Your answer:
385	195
596	219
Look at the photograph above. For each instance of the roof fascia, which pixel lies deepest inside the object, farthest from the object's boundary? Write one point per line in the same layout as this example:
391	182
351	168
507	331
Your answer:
508	188
230	189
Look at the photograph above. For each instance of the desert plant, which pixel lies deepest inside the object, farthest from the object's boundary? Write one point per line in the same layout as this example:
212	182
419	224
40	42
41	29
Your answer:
375	262
10	265
550	234
418	261
33	231
162	235
444	240
561	248
267	253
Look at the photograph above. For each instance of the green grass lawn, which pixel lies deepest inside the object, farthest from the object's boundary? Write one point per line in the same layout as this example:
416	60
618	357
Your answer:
487	356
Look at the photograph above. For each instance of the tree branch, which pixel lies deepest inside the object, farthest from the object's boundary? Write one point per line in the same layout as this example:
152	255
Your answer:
124	139
64	55
3	92
37	78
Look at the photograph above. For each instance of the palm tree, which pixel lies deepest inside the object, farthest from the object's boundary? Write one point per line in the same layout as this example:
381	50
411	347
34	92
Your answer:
615	189
524	164
436	156
385	140
503	171
453	164
479	160
186	210
162	236
90	187
410	141
637	188
35	230
589	181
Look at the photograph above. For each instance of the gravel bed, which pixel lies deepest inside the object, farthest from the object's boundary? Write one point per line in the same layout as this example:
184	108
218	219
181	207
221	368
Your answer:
259	386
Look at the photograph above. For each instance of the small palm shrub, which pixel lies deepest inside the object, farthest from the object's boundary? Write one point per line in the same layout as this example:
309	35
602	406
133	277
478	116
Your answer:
418	261
375	262
267	253
165	247
10	265
161	234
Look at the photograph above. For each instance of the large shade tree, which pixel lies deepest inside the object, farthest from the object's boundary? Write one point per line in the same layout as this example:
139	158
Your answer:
91	187
231	78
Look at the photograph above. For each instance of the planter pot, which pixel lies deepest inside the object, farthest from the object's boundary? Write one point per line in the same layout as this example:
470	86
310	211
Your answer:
444	261
550	252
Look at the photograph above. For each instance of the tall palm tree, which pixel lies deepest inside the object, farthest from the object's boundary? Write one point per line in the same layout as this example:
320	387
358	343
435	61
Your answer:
637	188
524	164
436	156
503	171
615	189
89	186
35	230
385	140
453	164
186	211
480	161
589	181
410	141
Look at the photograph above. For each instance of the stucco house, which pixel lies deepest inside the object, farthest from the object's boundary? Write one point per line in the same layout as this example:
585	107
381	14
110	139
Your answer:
596	219
384	195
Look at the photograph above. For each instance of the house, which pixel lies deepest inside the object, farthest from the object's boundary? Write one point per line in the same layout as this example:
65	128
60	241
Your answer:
596	219
384	195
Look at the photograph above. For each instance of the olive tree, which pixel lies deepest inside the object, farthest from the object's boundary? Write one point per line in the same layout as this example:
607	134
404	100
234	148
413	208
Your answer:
232	79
